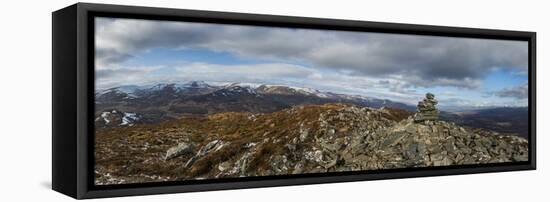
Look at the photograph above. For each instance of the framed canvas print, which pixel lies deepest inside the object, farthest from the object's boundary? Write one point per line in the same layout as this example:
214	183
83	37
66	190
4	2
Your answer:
153	100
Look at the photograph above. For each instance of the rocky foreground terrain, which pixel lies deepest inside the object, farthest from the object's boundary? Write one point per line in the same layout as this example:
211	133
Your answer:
301	139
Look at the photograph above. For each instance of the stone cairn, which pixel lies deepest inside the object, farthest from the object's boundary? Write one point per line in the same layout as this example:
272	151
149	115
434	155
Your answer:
426	109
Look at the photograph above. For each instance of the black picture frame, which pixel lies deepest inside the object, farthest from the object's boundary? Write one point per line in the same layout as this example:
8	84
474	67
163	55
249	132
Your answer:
73	92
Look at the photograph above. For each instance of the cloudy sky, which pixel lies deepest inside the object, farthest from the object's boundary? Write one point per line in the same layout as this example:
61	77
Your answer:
461	72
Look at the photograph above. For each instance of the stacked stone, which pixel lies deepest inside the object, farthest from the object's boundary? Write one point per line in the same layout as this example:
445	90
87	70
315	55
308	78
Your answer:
426	109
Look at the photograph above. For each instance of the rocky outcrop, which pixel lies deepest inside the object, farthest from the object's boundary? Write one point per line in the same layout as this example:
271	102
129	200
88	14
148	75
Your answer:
302	139
439	143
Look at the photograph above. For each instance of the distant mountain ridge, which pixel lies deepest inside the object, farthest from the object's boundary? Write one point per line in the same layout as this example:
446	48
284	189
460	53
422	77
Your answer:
201	87
501	119
159	102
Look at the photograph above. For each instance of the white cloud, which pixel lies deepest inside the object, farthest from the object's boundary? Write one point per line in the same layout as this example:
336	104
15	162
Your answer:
520	92
263	73
106	78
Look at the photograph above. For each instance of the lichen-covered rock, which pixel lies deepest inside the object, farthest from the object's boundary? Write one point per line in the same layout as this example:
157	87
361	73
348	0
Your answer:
180	149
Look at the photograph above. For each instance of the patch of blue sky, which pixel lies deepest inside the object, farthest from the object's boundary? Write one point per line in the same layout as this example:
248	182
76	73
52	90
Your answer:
178	56
501	78
174	57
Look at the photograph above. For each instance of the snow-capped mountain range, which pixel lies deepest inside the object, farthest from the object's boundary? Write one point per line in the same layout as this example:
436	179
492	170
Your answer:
158	102
201	87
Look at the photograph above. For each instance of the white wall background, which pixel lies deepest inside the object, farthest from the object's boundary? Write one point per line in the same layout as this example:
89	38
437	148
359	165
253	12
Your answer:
25	102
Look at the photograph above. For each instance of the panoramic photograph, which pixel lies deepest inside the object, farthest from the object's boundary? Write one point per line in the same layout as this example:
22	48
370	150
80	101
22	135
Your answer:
182	101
